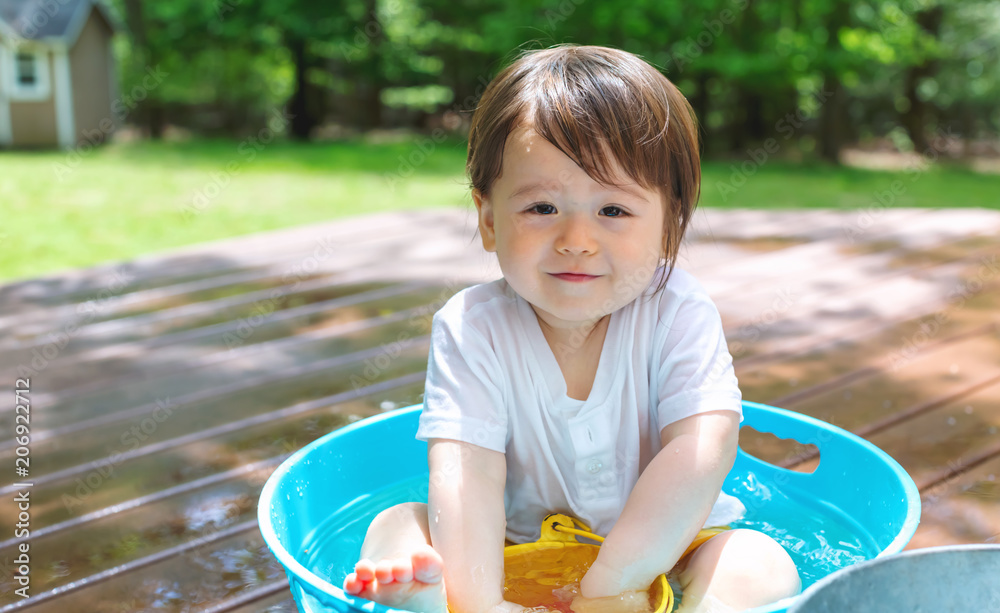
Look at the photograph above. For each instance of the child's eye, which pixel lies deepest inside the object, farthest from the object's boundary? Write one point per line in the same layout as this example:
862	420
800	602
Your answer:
534	208
620	212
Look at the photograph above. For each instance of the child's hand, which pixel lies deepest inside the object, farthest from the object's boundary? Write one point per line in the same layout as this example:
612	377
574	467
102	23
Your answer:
635	601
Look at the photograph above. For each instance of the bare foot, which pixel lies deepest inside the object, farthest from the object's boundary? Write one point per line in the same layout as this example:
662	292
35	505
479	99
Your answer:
415	583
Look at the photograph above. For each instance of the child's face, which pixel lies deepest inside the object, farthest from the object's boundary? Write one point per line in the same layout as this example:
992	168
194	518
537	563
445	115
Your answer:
569	224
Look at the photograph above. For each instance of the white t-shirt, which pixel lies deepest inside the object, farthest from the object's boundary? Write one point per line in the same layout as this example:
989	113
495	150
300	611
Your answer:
493	381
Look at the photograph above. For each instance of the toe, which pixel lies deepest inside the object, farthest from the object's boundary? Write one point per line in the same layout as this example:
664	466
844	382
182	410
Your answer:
427	566
383	571
353	585
365	570
402	571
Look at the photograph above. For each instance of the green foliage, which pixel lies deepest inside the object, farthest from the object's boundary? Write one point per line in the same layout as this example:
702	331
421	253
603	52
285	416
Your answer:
239	57
209	60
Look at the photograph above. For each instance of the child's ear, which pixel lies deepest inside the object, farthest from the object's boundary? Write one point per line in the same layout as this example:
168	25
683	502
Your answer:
486	229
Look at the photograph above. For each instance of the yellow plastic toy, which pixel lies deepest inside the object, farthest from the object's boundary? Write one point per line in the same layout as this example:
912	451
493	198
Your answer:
557	559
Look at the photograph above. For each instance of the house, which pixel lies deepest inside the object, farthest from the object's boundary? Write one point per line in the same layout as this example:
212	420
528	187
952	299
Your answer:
57	73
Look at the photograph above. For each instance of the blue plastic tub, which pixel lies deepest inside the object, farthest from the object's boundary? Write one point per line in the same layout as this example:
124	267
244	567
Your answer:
315	508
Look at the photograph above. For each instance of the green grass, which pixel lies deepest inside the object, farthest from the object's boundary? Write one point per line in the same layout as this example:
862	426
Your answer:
127	200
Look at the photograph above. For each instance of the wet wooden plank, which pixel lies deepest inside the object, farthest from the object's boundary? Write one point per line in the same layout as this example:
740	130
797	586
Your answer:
860	394
964	509
939	443
165	434
190	577
189	310
291	336
272	598
872	347
113	471
119	538
788	325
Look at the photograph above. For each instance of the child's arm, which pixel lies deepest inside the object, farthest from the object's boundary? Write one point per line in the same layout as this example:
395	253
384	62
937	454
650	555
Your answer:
467	523
668	504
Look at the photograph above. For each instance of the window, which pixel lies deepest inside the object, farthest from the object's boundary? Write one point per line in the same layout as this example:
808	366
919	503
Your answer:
27	74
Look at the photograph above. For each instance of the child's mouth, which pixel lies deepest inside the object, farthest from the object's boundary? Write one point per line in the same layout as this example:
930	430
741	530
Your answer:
568	276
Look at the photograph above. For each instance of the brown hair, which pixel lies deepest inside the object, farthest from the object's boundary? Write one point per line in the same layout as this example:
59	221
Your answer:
587	101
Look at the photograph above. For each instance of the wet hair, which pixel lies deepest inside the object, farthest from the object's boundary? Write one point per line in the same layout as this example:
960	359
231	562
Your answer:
590	101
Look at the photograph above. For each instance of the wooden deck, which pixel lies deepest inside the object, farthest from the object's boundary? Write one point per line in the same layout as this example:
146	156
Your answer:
165	390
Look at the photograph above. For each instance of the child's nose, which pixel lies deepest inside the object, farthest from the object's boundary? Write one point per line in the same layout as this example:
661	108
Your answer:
575	236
